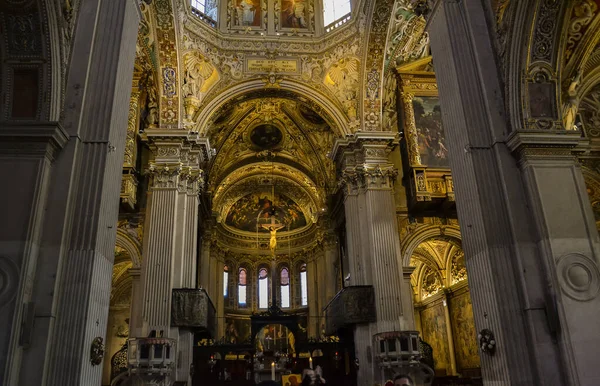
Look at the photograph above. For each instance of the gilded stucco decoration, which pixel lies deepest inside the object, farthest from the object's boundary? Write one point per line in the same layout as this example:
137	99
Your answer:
342	78
256	177
199	77
167	54
374	63
582	13
304	143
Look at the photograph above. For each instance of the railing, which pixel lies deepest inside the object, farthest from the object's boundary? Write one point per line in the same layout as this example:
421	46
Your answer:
151	355
204	17
338	23
118	363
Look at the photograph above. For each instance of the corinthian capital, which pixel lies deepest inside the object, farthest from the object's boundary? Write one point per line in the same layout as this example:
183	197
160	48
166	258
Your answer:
164	176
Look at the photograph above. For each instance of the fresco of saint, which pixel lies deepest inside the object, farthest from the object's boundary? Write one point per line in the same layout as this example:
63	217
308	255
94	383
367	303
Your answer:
294	14
248	13
430	133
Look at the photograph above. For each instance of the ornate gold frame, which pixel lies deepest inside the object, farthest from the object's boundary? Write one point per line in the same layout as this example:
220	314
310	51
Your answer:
416	79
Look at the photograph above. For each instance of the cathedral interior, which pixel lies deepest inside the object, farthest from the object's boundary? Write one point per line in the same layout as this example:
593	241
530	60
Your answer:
228	192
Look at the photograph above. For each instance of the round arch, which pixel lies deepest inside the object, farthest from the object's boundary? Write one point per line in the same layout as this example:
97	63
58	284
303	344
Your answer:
131	245
449	233
337	115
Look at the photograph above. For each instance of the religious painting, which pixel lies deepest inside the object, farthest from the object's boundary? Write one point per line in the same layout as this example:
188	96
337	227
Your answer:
541	100
463	331
275	338
266	136
291	380
294	14
247	13
237	330
430	133
255	211
433	324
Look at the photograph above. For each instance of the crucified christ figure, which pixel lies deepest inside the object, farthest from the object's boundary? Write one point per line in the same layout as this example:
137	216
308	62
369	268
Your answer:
273	227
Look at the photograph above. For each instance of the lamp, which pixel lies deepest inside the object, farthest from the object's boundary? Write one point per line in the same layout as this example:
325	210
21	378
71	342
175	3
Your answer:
487	341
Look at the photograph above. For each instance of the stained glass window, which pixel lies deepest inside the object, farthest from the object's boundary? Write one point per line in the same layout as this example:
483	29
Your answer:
263	288
242	287
285	288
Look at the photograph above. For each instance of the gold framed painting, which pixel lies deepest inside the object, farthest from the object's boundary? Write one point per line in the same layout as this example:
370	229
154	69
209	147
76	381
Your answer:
427	157
248	15
294	15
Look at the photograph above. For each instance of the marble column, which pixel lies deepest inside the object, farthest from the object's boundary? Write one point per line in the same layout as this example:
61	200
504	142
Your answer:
372	235
313	302
330	258
60	279
171	235
524	212
135	318
408	308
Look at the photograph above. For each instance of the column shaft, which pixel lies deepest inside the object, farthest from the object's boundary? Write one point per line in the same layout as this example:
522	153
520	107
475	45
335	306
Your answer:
73	285
492	207
158	262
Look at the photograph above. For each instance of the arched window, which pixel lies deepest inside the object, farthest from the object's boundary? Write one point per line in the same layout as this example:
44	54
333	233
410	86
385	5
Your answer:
334	10
303	286
263	288
225	281
206	7
284	281
242	287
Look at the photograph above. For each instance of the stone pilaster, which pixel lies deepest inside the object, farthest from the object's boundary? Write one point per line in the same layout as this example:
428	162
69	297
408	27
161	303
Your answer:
408	309
313	297
135	317
330	258
525	220
171	234
372	235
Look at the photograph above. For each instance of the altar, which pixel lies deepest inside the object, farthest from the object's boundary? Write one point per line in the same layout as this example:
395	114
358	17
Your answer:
267	375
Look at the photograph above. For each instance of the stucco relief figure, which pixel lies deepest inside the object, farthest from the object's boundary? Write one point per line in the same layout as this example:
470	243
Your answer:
152	118
342	80
197	71
570	108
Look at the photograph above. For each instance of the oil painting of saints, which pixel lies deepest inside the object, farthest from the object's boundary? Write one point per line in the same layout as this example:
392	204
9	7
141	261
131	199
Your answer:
247	13
430	133
294	13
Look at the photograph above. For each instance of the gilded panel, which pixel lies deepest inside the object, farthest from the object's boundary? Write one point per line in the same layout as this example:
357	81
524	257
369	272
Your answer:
463	331
433	324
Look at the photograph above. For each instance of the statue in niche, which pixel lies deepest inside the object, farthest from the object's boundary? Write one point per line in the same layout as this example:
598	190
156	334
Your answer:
570	108
152	117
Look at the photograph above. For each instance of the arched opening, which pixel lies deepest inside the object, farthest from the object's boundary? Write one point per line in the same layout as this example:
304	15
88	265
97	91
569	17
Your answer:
443	308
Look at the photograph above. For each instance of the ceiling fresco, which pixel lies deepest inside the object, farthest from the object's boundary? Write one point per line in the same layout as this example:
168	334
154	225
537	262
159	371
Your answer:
254	210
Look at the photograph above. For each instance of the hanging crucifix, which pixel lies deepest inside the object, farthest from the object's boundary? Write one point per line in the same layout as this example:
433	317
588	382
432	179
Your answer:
273	227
